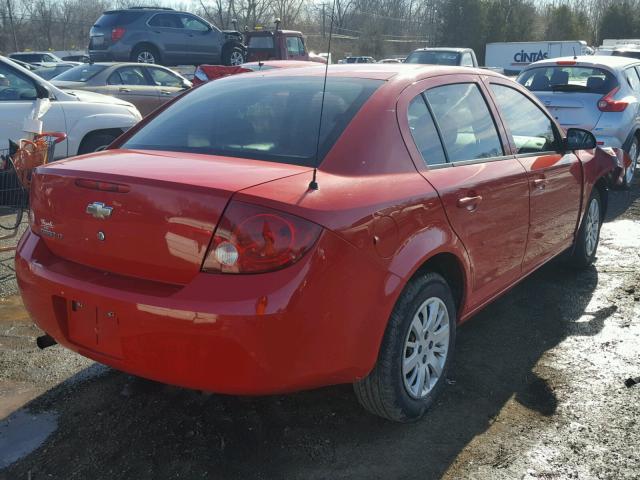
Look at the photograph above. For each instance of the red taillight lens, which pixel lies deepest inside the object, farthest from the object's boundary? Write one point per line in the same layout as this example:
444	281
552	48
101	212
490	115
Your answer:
117	33
253	239
608	104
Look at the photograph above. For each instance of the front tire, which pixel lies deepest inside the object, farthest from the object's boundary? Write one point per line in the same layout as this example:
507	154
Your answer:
586	245
416	352
233	56
97	141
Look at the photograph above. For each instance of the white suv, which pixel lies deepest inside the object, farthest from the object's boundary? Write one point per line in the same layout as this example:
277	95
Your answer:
90	120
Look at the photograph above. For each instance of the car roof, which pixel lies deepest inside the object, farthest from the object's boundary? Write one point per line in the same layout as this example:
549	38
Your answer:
607	61
285	63
442	49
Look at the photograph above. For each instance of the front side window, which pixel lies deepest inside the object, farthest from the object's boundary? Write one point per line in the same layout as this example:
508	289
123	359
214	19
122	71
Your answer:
162	78
275	119
531	129
466	61
14	86
193	23
294	46
466	124
128	76
424	132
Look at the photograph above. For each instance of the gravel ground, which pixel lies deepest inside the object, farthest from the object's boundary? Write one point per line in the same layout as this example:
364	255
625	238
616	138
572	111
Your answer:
537	392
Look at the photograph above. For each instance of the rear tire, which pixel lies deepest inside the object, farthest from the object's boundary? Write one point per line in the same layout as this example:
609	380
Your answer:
146	54
394	389
634	152
586	244
97	141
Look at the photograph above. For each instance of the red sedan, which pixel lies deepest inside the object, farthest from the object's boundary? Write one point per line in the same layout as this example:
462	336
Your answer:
209	253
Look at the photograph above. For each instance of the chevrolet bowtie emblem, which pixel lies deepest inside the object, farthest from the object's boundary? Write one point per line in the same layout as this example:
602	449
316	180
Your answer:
99	210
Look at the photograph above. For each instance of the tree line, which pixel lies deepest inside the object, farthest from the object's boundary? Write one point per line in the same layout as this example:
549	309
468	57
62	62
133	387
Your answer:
365	27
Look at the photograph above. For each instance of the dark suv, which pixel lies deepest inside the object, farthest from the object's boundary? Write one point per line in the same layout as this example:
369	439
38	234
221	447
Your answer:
162	35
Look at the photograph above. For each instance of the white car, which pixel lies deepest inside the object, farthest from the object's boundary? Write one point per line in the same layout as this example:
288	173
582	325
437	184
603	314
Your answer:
90	120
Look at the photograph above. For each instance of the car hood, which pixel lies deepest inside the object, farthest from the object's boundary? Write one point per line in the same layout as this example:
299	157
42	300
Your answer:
91	97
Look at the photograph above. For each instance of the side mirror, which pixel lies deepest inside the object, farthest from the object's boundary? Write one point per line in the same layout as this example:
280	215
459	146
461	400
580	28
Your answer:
42	91
579	139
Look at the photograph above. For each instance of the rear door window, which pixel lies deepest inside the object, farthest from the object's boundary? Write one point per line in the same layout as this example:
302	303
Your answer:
562	78
166	20
424	132
465	122
532	130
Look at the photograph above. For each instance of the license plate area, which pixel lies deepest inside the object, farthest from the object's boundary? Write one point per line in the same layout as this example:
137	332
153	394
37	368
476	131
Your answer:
94	327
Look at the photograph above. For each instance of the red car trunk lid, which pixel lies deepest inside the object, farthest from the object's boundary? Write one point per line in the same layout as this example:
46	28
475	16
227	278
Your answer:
142	214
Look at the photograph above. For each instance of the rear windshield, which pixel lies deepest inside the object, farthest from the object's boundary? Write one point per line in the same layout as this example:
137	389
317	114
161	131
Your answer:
81	73
272	118
261	42
112	19
433	58
625	53
568	79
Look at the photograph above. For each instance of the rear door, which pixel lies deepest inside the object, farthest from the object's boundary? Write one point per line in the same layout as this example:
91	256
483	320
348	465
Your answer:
555	178
132	85
483	188
167	30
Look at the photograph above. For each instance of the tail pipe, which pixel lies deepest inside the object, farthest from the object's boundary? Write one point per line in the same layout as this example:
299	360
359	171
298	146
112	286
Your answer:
45	341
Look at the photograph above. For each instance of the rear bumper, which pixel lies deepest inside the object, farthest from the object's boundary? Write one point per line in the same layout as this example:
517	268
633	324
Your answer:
239	334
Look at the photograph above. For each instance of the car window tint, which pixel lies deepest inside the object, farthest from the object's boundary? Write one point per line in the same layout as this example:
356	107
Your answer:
531	129
632	77
14	86
162	78
131	76
193	23
275	119
424	132
568	79
467	127
166	20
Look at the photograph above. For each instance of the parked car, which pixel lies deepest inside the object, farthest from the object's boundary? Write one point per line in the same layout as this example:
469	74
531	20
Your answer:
358	60
49	72
91	121
206	73
35	58
629	52
145	86
390	60
225	239
162	35
463	57
278	45
76	58
597	93
26	65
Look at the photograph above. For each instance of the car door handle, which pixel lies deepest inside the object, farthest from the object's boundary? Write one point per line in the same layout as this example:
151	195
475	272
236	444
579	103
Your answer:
540	183
124	90
470	203
165	92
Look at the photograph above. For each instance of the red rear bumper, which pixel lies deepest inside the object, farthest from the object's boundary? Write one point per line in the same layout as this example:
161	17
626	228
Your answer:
316	323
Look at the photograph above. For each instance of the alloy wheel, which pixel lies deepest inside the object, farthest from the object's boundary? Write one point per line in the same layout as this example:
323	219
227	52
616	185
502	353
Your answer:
146	57
236	58
425	348
592	227
633	153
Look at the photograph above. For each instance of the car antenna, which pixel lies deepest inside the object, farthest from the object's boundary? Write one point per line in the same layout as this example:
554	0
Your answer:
313	184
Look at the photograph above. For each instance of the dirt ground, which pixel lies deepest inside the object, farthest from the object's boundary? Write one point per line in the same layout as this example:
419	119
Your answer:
537	392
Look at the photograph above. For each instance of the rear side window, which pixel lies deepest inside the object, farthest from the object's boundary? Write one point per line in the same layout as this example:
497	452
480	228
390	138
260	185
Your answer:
113	19
81	73
568	79
465	121
270	118
424	132
261	42
531	129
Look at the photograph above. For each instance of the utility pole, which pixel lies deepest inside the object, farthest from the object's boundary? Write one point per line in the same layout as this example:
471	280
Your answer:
323	14
13	28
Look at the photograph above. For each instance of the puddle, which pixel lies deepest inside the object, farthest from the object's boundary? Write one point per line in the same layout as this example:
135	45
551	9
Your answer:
22	433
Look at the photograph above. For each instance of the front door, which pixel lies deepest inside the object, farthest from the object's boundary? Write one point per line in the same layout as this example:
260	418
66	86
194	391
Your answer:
555	178
132	85
484	190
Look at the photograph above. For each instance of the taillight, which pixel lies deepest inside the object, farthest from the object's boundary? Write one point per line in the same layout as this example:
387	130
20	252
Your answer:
608	104
117	33
253	239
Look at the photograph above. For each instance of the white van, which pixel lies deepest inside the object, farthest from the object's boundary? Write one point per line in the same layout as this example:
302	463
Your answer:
514	56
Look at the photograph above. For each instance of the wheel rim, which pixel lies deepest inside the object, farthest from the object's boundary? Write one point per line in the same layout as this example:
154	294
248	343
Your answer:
592	227
633	153
425	348
146	57
236	58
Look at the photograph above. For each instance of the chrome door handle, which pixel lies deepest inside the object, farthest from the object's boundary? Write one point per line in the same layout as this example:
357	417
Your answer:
165	92
124	90
540	183
470	203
